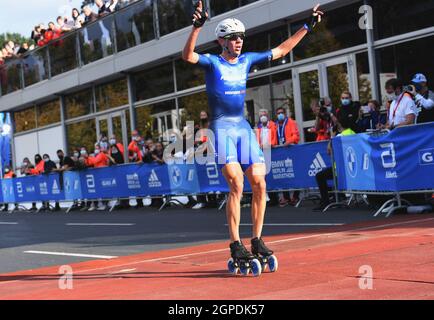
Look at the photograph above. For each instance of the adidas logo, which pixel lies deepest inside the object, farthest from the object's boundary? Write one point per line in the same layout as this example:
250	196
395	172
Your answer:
153	181
317	166
55	189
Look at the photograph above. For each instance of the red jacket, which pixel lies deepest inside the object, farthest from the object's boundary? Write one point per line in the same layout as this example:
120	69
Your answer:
134	148
291	132
99	161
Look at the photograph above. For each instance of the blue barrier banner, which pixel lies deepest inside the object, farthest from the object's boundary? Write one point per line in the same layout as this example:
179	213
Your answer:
295	167
401	160
72	185
49	187
26	189
211	178
183	179
8	190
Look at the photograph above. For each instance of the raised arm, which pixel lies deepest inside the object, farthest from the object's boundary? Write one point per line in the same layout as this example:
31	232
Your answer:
285	47
199	18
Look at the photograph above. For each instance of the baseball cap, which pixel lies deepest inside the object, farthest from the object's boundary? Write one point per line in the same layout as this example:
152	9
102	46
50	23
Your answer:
418	78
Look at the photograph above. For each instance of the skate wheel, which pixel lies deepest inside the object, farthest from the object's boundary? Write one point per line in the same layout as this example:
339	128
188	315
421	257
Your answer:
273	263
245	270
256	267
231	266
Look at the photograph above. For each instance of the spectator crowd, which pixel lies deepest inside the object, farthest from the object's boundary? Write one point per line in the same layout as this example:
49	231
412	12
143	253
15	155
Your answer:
42	34
404	105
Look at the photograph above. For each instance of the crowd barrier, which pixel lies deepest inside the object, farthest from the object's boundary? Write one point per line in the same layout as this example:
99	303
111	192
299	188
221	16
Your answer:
401	161
291	168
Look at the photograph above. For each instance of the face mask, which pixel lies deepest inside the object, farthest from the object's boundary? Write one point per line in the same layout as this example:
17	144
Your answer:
329	109
76	154
172	139
46	159
264	119
280	117
391	96
345	102
97	151
83	152
7	170
112	141
114	151
136	138
103	145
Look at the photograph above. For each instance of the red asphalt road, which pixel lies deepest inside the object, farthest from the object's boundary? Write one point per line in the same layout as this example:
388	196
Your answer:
321	264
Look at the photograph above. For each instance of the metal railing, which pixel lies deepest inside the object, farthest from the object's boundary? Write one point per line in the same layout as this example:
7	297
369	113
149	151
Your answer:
130	26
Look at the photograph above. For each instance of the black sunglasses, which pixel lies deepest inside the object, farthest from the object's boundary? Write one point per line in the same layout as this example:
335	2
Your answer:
235	36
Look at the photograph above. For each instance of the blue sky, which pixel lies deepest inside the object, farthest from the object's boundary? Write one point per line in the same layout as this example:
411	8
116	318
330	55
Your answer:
22	15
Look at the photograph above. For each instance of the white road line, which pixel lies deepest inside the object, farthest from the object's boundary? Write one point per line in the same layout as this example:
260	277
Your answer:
71	254
99	224
294	224
8	222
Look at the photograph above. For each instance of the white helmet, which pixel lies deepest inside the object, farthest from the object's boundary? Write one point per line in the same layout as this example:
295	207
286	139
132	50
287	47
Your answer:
229	26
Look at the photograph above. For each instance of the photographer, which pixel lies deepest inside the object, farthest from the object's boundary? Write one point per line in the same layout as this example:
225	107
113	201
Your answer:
423	97
349	109
370	117
323	121
402	111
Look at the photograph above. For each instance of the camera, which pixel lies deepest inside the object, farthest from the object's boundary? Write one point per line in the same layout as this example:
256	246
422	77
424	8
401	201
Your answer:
321	103
408	88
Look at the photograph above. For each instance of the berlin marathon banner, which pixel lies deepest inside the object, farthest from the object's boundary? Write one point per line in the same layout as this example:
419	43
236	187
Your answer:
401	160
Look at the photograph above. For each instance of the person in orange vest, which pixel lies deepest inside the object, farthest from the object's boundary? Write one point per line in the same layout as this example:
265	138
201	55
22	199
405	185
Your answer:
133	147
9	174
287	134
98	160
28	169
39	165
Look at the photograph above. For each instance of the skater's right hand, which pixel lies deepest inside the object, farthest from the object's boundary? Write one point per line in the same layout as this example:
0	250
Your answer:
199	15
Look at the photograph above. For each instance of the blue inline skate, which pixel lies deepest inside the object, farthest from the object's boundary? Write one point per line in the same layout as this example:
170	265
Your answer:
264	255
242	261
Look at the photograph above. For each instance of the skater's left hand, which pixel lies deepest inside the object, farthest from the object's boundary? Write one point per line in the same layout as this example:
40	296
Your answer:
316	17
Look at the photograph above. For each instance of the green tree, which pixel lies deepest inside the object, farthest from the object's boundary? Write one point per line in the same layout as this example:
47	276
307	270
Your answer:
15	37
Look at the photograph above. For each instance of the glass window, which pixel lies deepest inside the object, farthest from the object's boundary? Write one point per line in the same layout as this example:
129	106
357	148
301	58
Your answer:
219	6
257	43
35	67
188	75
174	15
191	106
79	104
153	120
395	17
154	82
258	96
282	90
134	25
25	119
111	95
331	34
406	59
337	78
10	76
63	55
48	113
81	134
277	36
363	77
309	83
96	40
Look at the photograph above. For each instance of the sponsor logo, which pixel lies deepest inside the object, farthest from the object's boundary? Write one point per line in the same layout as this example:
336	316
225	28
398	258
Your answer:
90	182
366	162
20	189
388	159
351	157
133	181
426	157
43	188
109	183
283	169
153	181
176	175
55	188
317	165
212	173
191	173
